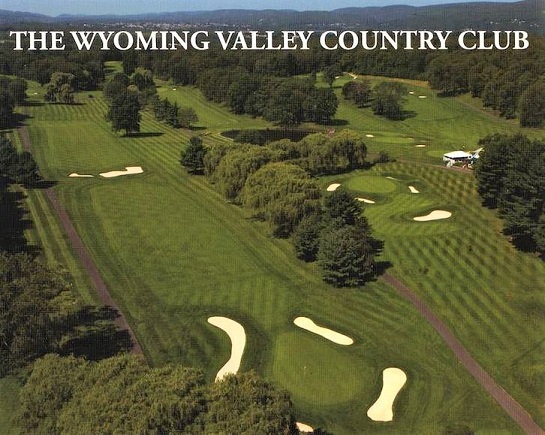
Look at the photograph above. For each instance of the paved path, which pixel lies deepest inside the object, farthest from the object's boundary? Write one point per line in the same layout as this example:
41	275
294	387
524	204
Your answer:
510	405
83	254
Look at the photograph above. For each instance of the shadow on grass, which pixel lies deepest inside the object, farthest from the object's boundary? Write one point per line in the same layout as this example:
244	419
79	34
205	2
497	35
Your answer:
91	333
32	104
334	122
142	135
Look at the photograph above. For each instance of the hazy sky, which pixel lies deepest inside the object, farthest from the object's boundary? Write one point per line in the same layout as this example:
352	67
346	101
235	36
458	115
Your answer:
98	7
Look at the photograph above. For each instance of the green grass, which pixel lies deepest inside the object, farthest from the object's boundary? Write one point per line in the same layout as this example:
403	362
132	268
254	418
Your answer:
442	124
173	252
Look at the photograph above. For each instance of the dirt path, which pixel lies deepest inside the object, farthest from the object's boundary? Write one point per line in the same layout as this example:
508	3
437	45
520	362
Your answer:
504	399
83	254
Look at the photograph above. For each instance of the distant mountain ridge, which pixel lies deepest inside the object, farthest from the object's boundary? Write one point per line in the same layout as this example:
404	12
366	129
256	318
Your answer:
526	15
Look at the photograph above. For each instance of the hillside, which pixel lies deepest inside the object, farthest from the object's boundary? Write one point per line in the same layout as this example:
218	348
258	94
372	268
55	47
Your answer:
523	15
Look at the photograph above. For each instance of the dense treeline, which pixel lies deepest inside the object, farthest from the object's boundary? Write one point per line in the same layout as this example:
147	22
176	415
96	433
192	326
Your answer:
38	310
17	167
511	177
86	67
124	395
256	83
510	82
12	93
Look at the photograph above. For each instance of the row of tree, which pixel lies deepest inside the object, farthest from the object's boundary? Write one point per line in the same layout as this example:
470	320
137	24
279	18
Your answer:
38	310
174	115
12	93
339	237
124	395
511	177
86	67
285	101
275	181
510	82
17	167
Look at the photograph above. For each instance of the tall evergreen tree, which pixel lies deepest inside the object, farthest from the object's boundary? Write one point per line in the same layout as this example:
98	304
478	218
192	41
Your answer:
192	157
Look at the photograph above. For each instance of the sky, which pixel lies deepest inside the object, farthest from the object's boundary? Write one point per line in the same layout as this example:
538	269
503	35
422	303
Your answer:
126	7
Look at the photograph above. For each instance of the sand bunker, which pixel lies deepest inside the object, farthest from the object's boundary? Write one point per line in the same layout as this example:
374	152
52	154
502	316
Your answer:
420	146
422	96
411	92
413	189
393	380
434	215
335	337
236	333
129	170
365	200
369	135
76	175
392	178
354	76
333	187
304	428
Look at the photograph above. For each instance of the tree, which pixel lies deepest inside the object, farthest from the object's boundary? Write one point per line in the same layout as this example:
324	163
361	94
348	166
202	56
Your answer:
192	157
332	154
388	100
60	88
331	72
39	314
123	395
359	91
510	176
51	385
320	105
187	116
124	112
346	256
532	105
237	165
116	86
7	104
248	405
342	207
491	168
18	167
17	88
283	194
522	203
306	238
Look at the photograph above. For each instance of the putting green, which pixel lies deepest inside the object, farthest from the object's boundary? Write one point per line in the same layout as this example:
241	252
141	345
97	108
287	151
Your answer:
316	372
371	184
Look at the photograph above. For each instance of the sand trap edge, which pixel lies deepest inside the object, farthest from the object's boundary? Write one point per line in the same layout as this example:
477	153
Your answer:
329	334
433	216
303	428
237	335
393	380
129	170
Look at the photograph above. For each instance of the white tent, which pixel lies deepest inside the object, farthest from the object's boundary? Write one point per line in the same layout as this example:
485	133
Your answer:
456	155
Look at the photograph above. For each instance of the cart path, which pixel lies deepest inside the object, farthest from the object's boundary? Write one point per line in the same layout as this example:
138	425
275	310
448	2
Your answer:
83	254
504	399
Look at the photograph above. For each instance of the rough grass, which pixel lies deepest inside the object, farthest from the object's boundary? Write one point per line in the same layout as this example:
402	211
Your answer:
9	400
173	252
